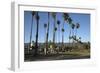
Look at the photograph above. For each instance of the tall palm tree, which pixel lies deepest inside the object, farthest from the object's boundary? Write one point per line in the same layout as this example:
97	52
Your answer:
33	13
70	22
37	29
47	31
45	26
54	17
65	19
58	22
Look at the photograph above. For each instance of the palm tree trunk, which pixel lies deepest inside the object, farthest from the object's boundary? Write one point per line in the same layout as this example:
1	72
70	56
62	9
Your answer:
45	42
69	36
54	31
47	32
73	38
31	34
76	33
62	38
59	34
63	33
36	44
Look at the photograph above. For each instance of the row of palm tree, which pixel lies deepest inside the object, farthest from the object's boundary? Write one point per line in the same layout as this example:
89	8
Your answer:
72	34
66	19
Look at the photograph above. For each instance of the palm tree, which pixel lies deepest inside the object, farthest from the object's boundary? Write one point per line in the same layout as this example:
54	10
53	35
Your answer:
66	16
47	31
62	36
54	17
45	26
73	26
37	29
55	30
77	27
58	22
33	13
70	22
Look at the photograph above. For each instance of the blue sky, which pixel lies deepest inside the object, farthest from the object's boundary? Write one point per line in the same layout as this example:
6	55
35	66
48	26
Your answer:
82	19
